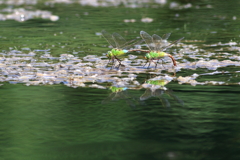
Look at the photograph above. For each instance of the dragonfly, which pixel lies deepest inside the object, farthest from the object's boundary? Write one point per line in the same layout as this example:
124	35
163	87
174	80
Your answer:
119	45
159	90
157	45
120	93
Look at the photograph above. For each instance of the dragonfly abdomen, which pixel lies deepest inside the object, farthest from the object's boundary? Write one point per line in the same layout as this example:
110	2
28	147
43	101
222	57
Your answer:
155	55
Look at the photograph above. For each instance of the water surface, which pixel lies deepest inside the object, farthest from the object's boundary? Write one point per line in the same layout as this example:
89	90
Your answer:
192	115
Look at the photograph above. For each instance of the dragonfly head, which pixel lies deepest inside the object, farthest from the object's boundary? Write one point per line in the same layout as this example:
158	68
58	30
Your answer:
109	54
147	56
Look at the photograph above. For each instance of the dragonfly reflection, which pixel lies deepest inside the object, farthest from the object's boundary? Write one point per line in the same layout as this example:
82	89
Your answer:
120	93
156	88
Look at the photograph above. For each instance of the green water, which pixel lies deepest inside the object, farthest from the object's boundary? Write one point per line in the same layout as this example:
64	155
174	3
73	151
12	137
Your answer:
60	122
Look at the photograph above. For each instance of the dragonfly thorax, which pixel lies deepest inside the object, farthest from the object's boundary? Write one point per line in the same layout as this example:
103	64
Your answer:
157	82
116	52
117	89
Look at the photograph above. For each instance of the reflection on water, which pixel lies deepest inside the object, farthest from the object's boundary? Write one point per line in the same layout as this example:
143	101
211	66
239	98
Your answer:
121	93
44	122
118	93
156	88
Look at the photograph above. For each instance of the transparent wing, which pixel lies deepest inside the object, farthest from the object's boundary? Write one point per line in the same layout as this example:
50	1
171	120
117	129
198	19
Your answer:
119	40
175	42
158	93
164	40
109	98
109	38
157	40
129	100
166	36
165	102
148	40
147	94
118	96
115	96
132	43
175	98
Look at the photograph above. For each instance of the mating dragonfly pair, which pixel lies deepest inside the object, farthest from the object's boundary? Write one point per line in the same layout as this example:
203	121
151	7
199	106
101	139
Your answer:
154	88
156	44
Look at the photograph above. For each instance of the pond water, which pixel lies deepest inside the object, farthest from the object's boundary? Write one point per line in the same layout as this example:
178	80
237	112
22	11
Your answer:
59	100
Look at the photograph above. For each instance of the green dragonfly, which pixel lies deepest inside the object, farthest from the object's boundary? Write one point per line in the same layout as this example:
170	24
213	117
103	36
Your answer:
119	45
157	45
159	90
120	93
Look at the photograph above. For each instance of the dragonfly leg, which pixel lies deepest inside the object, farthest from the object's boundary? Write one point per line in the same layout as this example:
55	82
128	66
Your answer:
119	61
162	63
145	64
149	64
156	63
113	61
108	62
118	65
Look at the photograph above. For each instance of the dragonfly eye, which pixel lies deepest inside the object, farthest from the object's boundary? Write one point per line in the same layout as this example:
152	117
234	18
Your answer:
107	54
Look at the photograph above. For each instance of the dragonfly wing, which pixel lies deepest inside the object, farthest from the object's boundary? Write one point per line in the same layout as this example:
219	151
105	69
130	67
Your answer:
119	40
165	102
164	40
148	40
175	42
108	99
132	43
147	94
157	40
109	38
118	96
166	36
158	93
175	98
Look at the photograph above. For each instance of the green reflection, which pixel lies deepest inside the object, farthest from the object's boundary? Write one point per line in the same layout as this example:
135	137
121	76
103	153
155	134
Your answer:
156	88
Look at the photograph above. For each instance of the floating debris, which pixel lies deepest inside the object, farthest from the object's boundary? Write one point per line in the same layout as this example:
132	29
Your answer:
21	15
146	20
129	20
28	67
